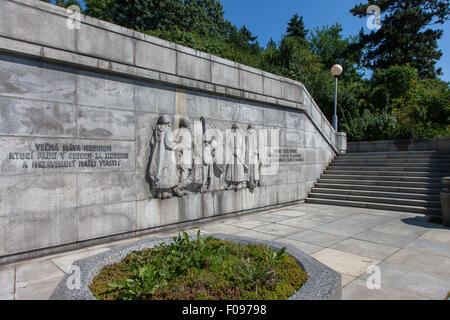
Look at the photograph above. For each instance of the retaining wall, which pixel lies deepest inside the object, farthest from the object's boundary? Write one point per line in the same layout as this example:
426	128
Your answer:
77	110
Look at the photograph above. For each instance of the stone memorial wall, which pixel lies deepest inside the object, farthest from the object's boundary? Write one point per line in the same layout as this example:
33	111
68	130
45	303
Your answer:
108	133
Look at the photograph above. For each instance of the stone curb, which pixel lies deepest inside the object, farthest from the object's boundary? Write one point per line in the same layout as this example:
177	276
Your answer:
323	283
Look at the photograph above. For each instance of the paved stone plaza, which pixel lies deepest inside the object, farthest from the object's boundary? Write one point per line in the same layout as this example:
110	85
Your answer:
413	254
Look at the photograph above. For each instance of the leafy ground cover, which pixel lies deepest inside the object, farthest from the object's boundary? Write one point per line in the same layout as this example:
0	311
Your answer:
201	269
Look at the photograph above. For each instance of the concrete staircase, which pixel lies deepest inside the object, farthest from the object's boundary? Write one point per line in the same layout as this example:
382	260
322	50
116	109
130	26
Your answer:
407	181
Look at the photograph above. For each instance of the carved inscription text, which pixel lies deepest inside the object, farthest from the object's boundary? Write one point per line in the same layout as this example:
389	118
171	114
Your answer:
54	156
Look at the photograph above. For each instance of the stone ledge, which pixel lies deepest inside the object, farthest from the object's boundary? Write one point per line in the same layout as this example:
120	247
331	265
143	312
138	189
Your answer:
323	283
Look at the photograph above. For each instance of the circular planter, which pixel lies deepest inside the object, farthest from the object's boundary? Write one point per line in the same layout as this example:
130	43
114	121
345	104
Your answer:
323	283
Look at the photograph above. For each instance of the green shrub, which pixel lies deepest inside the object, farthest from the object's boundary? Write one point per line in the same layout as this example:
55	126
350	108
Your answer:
206	268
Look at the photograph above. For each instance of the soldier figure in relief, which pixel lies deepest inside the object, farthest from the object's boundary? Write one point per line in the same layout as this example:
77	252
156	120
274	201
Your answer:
234	174
209	159
252	156
184	153
163	173
196	175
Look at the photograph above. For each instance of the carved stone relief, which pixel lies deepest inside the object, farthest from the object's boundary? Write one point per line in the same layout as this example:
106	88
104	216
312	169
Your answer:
197	157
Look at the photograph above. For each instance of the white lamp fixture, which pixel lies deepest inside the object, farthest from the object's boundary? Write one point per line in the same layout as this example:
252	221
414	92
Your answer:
336	71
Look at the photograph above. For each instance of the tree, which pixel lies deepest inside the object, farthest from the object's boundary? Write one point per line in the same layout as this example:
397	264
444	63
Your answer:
329	44
271	44
404	37
204	17
296	27
100	9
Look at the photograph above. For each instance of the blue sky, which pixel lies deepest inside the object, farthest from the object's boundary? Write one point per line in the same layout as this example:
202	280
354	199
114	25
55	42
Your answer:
268	19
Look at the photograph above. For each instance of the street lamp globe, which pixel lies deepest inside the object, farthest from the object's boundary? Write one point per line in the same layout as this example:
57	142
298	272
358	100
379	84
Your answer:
336	70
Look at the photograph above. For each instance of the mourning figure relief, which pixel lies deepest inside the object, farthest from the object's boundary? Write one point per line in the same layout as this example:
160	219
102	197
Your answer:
191	159
184	159
234	174
163	173
252	157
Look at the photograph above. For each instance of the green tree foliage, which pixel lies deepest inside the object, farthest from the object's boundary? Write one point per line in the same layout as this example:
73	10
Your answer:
205	17
403	105
329	44
101	9
296	27
404	37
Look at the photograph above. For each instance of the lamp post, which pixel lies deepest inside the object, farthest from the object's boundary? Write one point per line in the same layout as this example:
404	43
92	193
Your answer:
336	71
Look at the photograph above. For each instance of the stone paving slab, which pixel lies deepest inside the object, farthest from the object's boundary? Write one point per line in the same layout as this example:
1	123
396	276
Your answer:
393	240
276	229
365	248
248	224
413	281
431	247
351	225
344	262
256	235
38	271
301	222
290	212
308	248
222	228
272	217
322	217
429	263
7	278
316	238
438	235
65	262
37	291
400	229
357	290
413	254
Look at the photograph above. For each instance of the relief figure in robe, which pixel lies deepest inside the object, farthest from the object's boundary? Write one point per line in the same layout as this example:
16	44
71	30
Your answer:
184	155
252	156
234	173
163	173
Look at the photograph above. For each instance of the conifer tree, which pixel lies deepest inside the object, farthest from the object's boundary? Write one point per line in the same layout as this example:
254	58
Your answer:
404	37
296	27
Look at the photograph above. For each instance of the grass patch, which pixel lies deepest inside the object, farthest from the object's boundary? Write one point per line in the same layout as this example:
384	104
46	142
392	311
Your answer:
202	269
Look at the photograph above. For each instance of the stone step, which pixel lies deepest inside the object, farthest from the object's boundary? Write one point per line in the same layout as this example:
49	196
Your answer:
434	166
397	168
406	160
385	173
379	206
426	158
356	154
395	201
379	194
437	186
410	190
327	175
